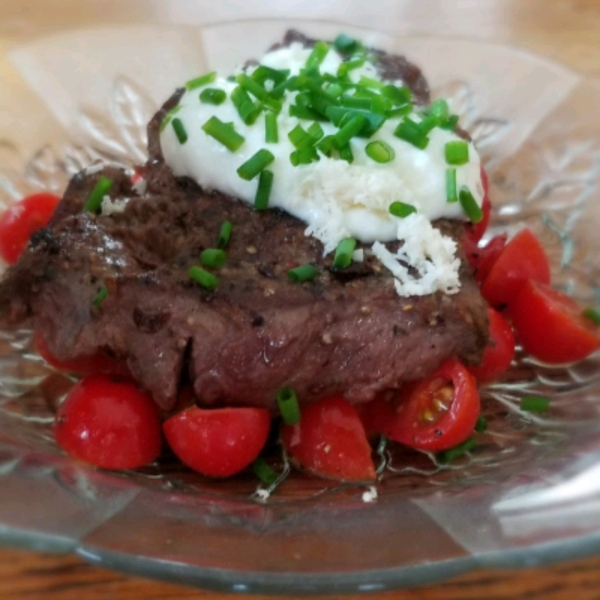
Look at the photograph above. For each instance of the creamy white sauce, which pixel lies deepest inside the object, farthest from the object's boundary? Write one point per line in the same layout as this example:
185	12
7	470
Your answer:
335	199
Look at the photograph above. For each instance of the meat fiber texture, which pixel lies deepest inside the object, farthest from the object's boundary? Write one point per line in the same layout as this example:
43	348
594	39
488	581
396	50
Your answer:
347	331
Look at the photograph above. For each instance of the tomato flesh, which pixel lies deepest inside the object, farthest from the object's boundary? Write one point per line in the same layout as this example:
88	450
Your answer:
497	357
330	441
218	442
436	413
550	325
110	424
522	259
21	220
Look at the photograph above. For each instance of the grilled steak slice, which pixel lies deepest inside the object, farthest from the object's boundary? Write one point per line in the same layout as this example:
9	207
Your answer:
344	332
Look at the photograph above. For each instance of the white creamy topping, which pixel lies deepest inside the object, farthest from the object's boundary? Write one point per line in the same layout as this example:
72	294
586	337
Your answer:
336	199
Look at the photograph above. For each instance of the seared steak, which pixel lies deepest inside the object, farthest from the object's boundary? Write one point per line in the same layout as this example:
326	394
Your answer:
346	331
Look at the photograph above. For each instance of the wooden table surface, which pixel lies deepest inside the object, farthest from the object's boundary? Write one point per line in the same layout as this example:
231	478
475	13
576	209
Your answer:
565	30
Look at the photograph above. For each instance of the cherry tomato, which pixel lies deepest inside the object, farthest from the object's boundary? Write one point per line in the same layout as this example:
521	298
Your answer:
21	220
523	258
482	259
99	364
436	413
108	423
551	326
330	441
218	442
496	358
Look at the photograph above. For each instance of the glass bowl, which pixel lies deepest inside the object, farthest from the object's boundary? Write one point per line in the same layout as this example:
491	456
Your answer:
82	89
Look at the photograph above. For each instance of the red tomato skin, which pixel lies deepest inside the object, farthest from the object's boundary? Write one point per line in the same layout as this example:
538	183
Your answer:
330	441
453	428
496	358
99	364
488	255
523	258
108	423
218	442
21	220
550	325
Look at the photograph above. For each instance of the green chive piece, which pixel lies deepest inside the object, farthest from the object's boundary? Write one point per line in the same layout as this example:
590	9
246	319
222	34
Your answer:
453	453
213	257
287	401
535	403
263	73
302	273
299	138
255	164
303	112
469	204
335	90
353	102
380	152
346	153
263	192
304	156
207	280
271	131
252	86
223	133
101	189
402	209
410	132
371	83
440	110
401	111
398	95
481	424
457	152
349	130
428	123
169	116
317	55
451	193
263	471
180	131
450	123
345	43
247	110
316	132
213	96
100	296
224	234
326	145
592	314
343	253
201	81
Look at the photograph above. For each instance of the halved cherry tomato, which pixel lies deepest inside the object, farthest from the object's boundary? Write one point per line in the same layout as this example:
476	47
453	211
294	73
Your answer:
218	442
110	424
99	364
375	414
482	259
523	258
330	441
21	220
496	358
551	326
436	413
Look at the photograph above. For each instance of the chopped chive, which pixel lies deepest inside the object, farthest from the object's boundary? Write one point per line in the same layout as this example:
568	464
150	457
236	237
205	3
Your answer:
450	123
335	90
346	153
263	471
223	133
263	73
398	95
349	130
453	453
224	234
304	156
380	105
345	43
440	110
213	96
247	110
410	132
457	152
317	55
380	151
255	164
428	123
326	145
401	111
469	204
402	209
203	80
451	193
180	131
263	191
368	82
207	280
316	132
303	112
535	403
343	253
169	116
341	115
252	86
353	102
481	424
101	189
302	273
592	314
271	131
100	296
213	257
299	138
287	401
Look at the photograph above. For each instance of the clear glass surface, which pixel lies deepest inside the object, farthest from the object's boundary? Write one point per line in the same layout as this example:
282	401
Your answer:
529	492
